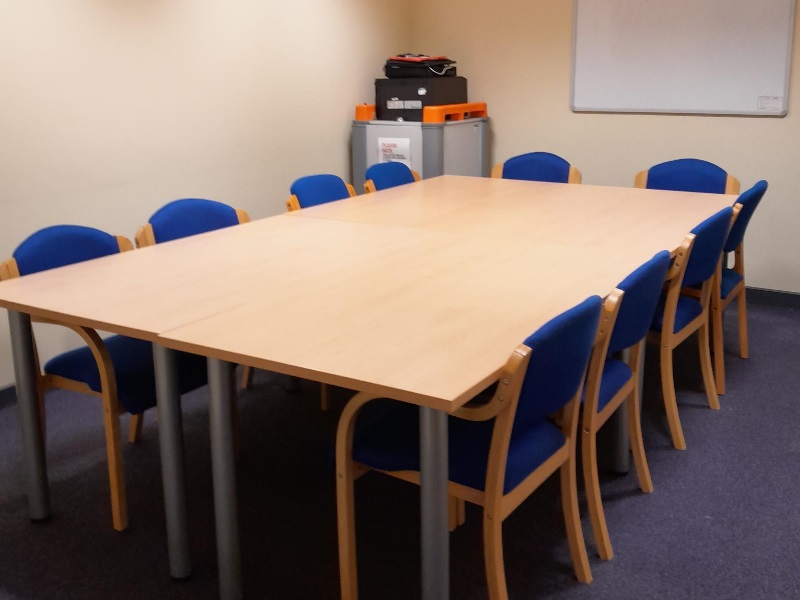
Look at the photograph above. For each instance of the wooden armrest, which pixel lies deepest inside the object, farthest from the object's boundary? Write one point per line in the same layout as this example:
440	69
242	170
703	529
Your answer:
508	388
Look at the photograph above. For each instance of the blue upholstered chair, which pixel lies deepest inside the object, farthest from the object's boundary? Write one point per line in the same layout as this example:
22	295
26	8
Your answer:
117	369
191	216
732	284
684	309
318	189
381	176
687	175
185	217
500	451
537	166
611	382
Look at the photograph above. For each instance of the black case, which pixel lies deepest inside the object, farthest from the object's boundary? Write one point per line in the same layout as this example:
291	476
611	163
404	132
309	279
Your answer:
396	69
404	98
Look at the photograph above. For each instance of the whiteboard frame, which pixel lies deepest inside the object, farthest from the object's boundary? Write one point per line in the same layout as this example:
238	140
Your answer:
766	112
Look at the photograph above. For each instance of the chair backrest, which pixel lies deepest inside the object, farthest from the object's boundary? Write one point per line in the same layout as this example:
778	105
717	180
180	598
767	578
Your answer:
190	216
538	166
389	174
560	352
710	236
642	289
319	189
749	201
62	245
688	175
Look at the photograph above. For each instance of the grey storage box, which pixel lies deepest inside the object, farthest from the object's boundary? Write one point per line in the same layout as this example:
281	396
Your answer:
431	149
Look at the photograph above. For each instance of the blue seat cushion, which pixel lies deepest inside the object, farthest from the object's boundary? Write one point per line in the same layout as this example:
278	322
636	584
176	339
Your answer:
730	279
615	375
133	366
387	438
688	310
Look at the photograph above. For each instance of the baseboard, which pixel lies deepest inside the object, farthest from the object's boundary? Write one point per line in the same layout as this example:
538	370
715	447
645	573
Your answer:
8	396
773	298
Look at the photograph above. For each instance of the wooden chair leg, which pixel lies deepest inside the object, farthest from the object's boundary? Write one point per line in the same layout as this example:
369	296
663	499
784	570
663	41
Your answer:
345	501
594	500
670	401
741	308
247	377
704	352
634	408
637	442
116	472
135	428
719	346
572	519
324	396
493	555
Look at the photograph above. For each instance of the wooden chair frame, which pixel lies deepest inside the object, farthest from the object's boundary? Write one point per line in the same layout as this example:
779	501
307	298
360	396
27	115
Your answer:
668	339
108	395
574	174
594	420
496	505
718	306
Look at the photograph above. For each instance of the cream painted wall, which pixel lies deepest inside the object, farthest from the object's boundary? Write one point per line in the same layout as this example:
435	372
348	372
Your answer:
517	56
110	109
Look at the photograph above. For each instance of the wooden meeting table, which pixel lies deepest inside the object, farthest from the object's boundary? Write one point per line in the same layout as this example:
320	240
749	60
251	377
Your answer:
417	293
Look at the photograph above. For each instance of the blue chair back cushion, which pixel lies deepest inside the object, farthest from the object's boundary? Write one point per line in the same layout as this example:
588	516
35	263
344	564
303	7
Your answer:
537	166
560	351
687	175
133	366
62	245
642	289
710	236
389	174
749	201
190	216
387	432
319	189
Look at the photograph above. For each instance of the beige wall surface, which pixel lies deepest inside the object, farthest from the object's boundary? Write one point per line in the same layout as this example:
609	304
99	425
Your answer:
517	57
111	109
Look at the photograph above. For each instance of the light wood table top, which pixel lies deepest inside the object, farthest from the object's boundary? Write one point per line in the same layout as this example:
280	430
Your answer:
449	274
418	292
587	216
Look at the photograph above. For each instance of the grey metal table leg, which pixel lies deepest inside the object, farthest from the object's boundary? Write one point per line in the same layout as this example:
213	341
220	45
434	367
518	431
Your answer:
620	460
433	484
33	455
170	435
224	476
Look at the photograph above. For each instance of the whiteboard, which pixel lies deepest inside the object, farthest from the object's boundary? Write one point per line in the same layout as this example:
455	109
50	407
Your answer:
728	57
